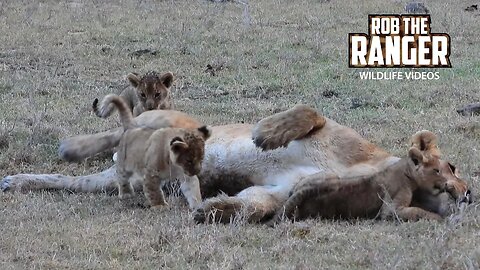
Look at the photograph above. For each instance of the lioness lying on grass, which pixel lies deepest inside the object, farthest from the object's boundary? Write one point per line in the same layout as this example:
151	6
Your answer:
388	192
154	156
303	144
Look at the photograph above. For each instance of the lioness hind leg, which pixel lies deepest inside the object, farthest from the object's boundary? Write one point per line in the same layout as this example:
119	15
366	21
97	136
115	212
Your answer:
254	204
280	129
82	146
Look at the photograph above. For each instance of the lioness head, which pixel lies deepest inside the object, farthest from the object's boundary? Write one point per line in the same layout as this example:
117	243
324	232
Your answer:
153	91
188	149
426	172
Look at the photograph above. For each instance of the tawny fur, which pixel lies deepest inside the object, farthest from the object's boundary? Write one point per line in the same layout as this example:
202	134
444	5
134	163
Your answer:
280	129
365	196
426	142
157	155
126	116
266	177
149	92
80	147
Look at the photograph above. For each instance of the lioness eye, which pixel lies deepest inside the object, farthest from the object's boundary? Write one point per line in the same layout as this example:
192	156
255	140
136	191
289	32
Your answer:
437	171
143	95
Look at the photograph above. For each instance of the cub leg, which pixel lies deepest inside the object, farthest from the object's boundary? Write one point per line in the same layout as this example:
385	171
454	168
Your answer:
415	213
125	188
402	202
153	191
190	187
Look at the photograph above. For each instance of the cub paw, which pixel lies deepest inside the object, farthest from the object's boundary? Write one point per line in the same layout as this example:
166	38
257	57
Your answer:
160	206
124	196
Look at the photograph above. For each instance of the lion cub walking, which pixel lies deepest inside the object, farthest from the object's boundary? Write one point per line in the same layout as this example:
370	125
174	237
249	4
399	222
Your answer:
364	196
155	155
150	92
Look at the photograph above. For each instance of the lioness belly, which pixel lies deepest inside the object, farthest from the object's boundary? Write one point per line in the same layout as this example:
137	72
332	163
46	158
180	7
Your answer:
230	152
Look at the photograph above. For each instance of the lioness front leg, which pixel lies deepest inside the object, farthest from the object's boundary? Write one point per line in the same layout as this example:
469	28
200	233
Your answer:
153	191
105	181
254	203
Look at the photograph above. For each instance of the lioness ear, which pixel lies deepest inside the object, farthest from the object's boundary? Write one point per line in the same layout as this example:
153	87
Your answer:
416	156
178	144
167	79
206	132
426	141
134	79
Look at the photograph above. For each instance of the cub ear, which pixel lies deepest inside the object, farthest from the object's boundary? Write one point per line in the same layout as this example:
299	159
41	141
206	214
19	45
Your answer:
134	79
178	144
167	79
426	141
454	169
416	156
205	131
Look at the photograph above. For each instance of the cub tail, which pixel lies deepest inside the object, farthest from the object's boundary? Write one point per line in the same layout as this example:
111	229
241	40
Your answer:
124	112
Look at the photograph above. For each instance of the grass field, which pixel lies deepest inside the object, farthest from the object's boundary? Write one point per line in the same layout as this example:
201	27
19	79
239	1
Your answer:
57	56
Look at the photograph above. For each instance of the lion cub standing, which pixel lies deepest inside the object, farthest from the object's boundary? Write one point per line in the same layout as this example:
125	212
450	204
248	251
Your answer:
155	155
364	196
150	92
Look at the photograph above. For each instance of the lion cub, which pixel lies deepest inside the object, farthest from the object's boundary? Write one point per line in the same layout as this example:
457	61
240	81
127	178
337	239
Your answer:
156	155
150	92
366	196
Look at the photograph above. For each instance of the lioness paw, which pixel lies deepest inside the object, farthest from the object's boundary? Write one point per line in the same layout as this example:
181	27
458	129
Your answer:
14	183
5	184
199	216
280	129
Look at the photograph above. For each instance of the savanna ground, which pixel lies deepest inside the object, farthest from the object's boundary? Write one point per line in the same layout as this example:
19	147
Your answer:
56	56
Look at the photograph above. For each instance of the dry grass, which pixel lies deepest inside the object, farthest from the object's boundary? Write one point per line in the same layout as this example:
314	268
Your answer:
55	58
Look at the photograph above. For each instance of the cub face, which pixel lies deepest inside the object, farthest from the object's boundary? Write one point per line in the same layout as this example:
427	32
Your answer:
426	172
153	91
456	186
188	149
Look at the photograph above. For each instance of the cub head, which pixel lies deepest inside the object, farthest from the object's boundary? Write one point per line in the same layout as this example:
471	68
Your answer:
426	142
187	149
456	187
153	91
426	172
